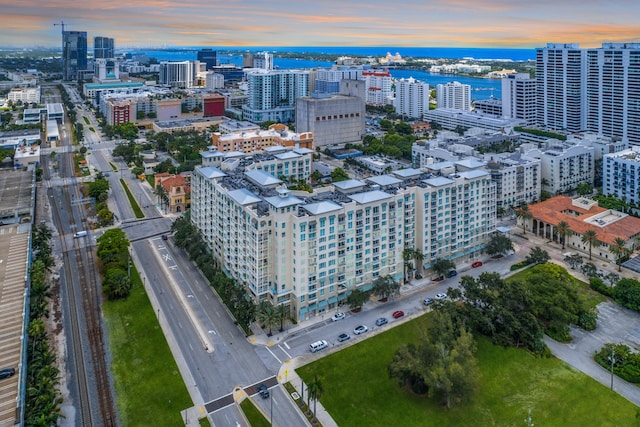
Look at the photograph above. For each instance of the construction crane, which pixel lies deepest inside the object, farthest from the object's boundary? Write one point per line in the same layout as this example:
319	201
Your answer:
61	24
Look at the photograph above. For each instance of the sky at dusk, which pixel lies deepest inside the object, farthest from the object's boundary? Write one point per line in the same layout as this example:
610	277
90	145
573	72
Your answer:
414	23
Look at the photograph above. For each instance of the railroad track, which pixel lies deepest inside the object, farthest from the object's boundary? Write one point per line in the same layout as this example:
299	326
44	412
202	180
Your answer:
96	405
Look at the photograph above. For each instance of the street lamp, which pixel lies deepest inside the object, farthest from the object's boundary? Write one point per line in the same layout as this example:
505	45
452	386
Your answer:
612	359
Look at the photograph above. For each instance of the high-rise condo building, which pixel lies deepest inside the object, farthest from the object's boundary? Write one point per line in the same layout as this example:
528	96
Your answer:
309	252
612	103
519	97
273	93
596	90
378	87
74	53
412	98
178	74
454	95
560	87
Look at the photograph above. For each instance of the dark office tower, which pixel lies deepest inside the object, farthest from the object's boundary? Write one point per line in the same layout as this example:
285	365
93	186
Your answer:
74	53
103	48
208	56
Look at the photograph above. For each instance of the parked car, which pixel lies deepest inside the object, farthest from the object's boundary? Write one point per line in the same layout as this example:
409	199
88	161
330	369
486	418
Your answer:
263	390
452	273
7	373
441	296
360	329
337	316
381	321
427	301
477	264
343	337
398	314
318	345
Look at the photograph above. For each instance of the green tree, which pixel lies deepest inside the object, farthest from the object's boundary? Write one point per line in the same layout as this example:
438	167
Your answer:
407	256
442	266
315	390
443	364
117	284
619	250
499	244
501	310
315	176
538	256
418	257
98	187
357	298
339	174
584	188
524	215
282	311
385	287
590	270
574	261
563	231
267	316
590	237
627	293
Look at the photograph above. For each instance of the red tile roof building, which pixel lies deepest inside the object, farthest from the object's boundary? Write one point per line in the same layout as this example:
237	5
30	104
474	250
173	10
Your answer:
583	214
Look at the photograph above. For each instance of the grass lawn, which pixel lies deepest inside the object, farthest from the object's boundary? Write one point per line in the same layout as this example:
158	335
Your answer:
358	391
588	295
149	388
255	417
134	203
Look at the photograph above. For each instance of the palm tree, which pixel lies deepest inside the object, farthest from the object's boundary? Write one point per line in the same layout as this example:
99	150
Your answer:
418	257
407	255
267	316
315	390
591	238
563	231
282	311
619	249
544	182
161	193
524	214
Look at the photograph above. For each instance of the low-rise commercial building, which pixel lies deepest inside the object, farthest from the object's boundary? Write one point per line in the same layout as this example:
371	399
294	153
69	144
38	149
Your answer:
582	215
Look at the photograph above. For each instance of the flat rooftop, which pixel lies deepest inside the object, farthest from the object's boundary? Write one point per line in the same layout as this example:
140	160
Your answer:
14	242
15	194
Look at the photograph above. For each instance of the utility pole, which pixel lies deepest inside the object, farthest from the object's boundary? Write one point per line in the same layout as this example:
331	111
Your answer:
612	359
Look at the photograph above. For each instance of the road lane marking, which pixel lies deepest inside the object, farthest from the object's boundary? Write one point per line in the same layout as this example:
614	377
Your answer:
287	345
276	357
285	351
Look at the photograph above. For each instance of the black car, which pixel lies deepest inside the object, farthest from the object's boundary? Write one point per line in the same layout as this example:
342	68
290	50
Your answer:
7	373
263	390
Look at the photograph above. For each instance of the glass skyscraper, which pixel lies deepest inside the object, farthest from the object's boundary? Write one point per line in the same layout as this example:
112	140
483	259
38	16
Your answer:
103	48
74	53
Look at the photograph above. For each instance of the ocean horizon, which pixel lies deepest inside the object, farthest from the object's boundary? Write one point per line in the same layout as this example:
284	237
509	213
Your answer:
477	53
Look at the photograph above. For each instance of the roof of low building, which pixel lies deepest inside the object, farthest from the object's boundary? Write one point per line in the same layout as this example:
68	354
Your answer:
582	217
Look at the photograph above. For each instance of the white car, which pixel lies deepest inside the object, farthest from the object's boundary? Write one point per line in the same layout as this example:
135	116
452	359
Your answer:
441	296
360	330
337	316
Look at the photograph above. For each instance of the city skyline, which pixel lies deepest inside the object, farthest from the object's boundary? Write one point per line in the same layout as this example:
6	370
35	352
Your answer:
451	23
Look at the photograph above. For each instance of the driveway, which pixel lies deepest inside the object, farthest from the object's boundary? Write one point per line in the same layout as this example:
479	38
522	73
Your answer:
615	325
